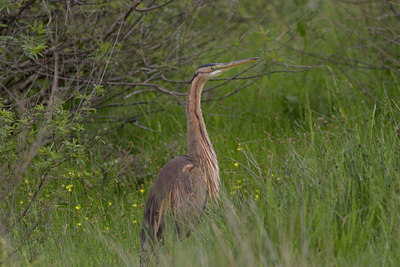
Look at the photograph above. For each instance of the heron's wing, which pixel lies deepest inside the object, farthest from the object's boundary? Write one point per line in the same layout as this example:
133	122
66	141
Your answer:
178	193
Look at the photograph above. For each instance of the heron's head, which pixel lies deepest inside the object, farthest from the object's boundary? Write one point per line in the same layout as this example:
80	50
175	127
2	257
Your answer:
214	69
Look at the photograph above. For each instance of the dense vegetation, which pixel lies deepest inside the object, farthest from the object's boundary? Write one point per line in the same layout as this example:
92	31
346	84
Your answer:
308	138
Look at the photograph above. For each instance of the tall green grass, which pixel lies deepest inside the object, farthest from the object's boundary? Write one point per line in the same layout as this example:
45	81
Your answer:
305	188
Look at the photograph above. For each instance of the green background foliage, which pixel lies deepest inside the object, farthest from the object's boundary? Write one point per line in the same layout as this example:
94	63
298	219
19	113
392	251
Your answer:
92	107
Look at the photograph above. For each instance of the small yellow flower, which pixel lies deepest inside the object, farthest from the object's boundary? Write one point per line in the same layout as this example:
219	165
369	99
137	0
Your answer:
70	173
257	196
26	181
239	148
134	221
64	176
30	194
109	204
134	205
278	179
141	190
107	228
78	207
272	174
79	175
239	181
86	218
122	205
21	202
79	224
236	164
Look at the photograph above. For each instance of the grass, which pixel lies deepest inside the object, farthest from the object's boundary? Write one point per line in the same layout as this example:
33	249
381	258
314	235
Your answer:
310	170
308	191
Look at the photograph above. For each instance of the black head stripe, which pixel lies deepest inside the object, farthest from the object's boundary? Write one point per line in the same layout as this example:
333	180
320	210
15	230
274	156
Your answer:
207	65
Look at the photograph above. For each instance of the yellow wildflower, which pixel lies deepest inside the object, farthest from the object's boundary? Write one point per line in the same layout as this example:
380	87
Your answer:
109	204
26	181
78	207
107	228
134	221
86	218
141	190
21	202
134	205
69	187
79	224
236	164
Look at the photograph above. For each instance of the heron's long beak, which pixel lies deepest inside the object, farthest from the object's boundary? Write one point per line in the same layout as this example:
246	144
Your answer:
227	66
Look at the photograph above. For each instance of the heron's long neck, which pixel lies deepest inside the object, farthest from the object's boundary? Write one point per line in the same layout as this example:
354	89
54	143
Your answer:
200	149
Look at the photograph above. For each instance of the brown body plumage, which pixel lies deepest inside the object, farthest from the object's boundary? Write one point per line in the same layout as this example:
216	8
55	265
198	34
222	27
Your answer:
178	195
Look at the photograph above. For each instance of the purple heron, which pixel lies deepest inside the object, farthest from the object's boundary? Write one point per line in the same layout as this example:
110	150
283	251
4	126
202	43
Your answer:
179	193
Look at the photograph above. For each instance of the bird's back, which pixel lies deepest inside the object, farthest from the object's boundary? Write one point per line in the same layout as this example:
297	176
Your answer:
175	201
